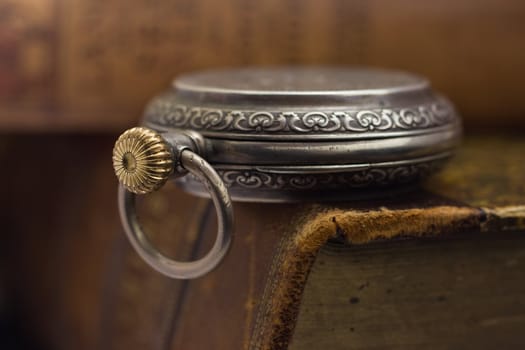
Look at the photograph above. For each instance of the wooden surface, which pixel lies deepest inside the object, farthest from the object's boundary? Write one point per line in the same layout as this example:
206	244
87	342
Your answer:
458	293
91	65
60	224
71	279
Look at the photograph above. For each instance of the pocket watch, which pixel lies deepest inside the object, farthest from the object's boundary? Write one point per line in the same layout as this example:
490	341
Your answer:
280	134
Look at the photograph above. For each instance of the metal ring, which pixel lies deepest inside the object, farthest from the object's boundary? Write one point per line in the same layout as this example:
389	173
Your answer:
221	199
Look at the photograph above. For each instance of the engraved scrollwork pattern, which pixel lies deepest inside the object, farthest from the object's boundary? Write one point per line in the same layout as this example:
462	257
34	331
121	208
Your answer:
258	121
166	113
254	179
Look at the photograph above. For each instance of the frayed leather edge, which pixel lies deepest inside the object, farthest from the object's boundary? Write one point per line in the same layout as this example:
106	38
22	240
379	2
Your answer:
296	257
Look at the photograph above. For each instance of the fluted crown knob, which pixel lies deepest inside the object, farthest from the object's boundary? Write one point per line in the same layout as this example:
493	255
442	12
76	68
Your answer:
142	160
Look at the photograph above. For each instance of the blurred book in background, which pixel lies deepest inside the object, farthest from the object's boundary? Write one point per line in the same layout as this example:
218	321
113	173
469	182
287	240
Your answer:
82	65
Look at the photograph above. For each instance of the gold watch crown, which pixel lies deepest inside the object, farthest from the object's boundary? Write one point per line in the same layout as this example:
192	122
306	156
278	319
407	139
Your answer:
142	160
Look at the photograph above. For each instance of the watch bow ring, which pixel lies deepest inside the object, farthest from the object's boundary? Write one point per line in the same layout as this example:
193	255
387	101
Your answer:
143	161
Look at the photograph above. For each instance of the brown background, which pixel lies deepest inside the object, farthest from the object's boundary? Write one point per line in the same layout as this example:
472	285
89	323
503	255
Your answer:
81	65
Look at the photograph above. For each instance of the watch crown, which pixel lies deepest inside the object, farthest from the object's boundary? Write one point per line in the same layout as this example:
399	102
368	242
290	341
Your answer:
142	160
